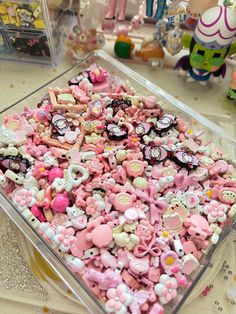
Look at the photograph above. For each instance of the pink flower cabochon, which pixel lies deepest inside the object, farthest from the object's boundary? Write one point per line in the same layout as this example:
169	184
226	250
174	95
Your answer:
216	28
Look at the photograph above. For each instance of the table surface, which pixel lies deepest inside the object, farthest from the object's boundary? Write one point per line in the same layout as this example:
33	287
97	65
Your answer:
18	80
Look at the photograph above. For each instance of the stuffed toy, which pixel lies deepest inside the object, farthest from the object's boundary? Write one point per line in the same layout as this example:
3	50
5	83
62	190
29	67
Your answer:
210	45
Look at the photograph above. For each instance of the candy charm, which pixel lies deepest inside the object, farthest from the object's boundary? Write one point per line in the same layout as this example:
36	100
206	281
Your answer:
60	202
77	216
166	289
117	133
123	201
119	300
64	237
154	154
24	198
216	212
71	173
185	159
166	122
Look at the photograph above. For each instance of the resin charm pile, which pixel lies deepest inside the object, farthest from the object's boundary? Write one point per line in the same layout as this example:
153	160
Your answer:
127	194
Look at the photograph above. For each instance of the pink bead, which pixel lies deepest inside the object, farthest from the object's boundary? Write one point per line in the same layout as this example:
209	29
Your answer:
37	213
101	236
131	214
55	172
60	202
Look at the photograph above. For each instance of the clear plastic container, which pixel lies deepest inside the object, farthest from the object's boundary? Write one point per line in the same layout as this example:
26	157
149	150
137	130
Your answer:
4	43
143	87
34	19
27	44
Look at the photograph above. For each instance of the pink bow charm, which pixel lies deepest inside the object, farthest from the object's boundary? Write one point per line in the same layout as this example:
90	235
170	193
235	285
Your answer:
147	248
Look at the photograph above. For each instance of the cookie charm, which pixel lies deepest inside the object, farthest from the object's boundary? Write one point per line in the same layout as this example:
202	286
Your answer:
116	133
227	195
155	154
185	159
123	201
166	122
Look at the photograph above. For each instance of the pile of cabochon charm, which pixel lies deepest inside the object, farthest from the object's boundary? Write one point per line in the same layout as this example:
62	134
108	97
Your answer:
126	193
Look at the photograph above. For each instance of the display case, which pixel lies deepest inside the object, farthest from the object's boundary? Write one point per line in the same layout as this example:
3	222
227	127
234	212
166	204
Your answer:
133	81
34	31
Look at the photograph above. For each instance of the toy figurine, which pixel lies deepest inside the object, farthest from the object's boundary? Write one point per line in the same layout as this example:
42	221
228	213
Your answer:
84	37
232	87
123	46
83	41
161	7
25	15
152	52
112	10
195	9
174	40
209	46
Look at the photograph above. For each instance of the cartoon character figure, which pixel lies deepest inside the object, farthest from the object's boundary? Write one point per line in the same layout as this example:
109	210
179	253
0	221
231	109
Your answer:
151	51
210	45
161	33
25	15
60	124
155	154
115	132
174	43
83	41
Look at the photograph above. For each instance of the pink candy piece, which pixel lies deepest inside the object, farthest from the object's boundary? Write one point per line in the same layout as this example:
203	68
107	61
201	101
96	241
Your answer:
37	213
108	279
98	75
101	236
157	309
55	172
220	166
42	115
79	94
131	214
60	202
135	168
150	102
82	243
199	230
101	87
123	201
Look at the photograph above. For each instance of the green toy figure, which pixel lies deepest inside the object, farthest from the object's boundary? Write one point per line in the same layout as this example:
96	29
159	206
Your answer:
209	46
232	87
